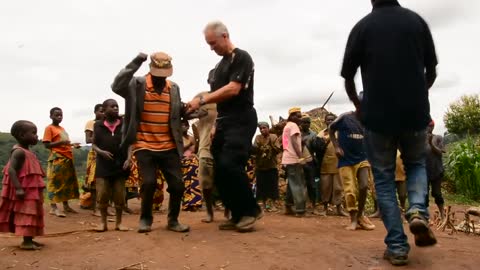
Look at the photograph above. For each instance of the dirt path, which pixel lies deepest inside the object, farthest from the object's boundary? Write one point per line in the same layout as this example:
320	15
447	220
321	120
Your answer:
280	242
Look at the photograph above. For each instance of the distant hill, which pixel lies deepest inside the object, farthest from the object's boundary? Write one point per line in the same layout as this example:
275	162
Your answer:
7	142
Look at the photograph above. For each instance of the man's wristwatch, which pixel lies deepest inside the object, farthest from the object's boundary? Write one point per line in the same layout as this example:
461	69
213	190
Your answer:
202	101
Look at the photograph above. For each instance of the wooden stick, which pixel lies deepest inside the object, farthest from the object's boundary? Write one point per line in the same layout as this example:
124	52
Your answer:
130	265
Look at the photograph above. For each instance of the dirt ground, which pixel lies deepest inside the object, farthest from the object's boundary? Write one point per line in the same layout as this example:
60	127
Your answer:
279	243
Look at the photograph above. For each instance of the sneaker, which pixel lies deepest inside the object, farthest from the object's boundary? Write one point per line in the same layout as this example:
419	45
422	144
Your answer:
395	259
365	223
424	236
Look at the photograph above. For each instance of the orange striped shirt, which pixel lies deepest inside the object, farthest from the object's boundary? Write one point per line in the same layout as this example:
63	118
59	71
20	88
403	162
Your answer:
154	129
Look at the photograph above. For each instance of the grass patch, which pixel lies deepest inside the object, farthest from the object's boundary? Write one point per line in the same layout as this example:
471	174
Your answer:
459	199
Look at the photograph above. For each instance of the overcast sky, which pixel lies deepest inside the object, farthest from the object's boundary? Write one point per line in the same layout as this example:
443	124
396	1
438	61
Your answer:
66	53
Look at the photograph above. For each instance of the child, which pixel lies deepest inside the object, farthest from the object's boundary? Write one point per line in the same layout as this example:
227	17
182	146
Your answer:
89	185
21	207
62	179
346	134
110	171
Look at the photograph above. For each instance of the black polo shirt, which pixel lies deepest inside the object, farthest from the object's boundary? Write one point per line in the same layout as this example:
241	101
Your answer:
392	46
108	141
237	67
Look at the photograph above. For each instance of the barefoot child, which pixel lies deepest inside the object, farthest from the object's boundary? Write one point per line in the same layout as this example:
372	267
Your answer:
111	160
21	207
61	176
353	167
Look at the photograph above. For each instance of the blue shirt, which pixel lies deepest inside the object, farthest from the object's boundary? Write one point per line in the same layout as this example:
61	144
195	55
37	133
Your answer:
350	139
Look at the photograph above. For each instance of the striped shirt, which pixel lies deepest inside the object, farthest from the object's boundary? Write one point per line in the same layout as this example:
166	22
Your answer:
154	129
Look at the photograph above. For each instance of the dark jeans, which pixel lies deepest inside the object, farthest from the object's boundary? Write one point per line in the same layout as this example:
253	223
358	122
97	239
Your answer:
169	163
381	150
230	149
296	188
309	172
436	185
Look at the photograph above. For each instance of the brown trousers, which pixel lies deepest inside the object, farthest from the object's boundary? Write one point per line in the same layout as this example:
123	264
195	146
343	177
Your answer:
107	188
331	189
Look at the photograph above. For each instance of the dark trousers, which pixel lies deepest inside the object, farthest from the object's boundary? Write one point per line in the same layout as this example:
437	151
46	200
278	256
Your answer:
230	149
435	184
169	163
296	187
309	172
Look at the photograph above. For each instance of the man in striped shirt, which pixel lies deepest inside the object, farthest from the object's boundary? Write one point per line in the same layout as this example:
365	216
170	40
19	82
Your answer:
152	131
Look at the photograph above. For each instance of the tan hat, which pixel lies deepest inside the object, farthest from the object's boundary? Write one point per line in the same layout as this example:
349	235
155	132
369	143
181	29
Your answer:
161	65
294	110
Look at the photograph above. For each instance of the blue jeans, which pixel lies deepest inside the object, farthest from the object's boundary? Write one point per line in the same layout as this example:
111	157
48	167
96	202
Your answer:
381	151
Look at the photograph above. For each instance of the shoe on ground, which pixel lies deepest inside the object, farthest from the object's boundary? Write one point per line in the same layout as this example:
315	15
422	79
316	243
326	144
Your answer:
227	225
144	227
246	224
395	259
178	227
424	236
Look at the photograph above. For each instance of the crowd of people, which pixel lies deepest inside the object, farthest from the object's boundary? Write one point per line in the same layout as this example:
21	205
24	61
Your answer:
383	146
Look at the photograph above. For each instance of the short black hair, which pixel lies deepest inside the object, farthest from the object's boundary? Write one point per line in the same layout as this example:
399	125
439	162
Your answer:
330	114
97	107
19	128
52	110
105	103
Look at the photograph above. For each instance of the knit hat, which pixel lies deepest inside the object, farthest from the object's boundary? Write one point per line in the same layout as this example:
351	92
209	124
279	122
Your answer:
294	110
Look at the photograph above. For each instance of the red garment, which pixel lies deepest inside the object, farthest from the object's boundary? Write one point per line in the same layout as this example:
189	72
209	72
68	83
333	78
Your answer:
23	217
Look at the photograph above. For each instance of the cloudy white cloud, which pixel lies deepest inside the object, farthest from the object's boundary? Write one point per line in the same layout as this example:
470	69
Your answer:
66	53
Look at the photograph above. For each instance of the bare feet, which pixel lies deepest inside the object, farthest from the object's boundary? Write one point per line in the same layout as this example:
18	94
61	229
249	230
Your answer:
352	227
101	228
120	227
365	223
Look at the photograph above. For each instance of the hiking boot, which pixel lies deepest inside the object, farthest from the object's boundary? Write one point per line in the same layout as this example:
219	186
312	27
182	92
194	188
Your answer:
227	225
177	227
424	236
395	259
365	223
246	224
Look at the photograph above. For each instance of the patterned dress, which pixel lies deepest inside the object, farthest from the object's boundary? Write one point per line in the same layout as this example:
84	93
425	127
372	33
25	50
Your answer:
23	217
192	197
61	176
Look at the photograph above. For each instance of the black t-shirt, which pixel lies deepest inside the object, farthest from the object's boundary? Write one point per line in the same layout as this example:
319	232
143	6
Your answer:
108	141
237	67
392	46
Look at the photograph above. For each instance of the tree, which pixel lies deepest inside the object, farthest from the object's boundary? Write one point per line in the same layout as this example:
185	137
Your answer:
463	116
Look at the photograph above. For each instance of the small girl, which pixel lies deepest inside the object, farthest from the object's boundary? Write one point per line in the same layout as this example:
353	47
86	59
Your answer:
21	207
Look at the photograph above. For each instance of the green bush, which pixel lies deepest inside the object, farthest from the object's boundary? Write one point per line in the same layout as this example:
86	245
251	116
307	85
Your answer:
463	167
